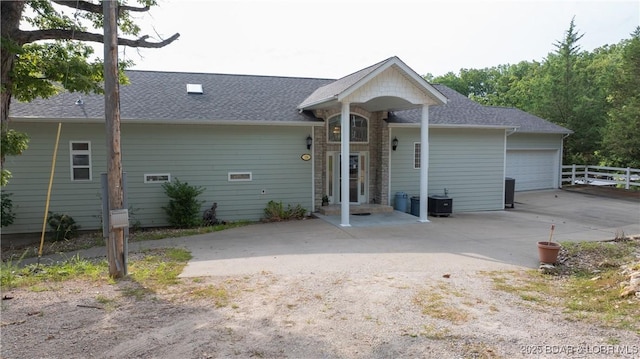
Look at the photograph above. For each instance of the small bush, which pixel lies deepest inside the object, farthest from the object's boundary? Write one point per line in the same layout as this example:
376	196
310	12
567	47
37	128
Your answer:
275	212
7	209
63	226
184	207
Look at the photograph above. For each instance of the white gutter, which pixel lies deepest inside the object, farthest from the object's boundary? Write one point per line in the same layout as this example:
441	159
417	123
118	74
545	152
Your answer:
417	125
168	122
512	131
313	104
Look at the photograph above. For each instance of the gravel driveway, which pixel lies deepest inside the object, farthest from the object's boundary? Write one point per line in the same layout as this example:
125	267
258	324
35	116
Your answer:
309	289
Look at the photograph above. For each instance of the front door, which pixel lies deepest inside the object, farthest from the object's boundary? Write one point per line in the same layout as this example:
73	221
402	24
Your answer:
357	177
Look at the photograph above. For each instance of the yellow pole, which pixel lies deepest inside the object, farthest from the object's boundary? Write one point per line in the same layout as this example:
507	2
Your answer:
46	207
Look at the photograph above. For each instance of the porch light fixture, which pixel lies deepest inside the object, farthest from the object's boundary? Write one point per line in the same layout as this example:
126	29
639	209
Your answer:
394	143
309	142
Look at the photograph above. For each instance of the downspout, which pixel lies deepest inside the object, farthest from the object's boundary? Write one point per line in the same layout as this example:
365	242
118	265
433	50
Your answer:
561	160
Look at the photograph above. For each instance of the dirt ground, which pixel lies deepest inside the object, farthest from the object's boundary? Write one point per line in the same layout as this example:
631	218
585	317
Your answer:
357	314
333	315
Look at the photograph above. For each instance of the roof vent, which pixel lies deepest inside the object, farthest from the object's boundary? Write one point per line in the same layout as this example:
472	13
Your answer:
194	88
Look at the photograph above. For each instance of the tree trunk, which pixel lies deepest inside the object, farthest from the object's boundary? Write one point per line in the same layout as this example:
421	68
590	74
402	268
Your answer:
115	250
11	14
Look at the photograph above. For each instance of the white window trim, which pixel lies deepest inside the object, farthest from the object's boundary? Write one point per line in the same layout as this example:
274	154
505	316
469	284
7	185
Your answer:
416	152
73	152
232	174
352	114
147	175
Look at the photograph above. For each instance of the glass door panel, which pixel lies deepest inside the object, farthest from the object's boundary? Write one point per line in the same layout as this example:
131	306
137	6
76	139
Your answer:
357	177
353	178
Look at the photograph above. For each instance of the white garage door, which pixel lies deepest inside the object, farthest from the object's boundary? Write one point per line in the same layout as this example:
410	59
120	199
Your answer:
532	169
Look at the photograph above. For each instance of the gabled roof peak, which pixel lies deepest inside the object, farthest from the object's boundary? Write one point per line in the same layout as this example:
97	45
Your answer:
339	89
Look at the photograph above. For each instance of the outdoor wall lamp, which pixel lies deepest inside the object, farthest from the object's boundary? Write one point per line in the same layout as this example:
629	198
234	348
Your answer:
309	142
394	143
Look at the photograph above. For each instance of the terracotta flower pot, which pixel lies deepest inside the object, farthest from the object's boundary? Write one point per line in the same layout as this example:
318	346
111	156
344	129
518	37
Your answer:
548	252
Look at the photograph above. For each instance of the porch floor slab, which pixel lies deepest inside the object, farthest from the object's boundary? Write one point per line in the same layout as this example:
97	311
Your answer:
392	218
334	209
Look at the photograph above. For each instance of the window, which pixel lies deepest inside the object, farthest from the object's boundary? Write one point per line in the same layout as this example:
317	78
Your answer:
157	177
359	129
239	176
416	155
80	152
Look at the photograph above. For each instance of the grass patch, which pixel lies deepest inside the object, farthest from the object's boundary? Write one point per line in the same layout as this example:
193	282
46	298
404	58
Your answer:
106	302
219	295
159	268
149	271
12	275
438	303
156	234
431	332
586	285
94	239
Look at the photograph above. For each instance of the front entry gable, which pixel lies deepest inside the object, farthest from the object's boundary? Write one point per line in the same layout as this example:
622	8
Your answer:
386	86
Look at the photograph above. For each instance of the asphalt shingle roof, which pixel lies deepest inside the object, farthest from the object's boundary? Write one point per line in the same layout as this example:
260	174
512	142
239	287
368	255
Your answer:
162	96
462	111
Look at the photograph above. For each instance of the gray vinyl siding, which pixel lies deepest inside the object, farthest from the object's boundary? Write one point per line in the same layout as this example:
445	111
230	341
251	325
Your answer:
533	141
31	171
198	154
469	163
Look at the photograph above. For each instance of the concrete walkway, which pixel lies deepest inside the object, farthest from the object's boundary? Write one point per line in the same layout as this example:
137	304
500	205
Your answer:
397	242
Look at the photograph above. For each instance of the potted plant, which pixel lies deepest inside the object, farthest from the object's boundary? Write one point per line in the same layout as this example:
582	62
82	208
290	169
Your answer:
548	251
325	200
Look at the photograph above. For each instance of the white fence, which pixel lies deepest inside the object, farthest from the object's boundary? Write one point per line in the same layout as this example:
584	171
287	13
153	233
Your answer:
601	176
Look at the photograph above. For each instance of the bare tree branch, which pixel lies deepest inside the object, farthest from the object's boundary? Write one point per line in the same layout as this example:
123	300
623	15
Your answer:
80	5
24	37
94	8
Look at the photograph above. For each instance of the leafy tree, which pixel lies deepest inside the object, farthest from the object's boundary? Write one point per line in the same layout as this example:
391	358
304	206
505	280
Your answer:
595	94
53	54
621	138
13	143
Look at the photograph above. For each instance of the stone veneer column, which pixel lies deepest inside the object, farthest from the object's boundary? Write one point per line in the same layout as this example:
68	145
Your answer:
384	163
320	172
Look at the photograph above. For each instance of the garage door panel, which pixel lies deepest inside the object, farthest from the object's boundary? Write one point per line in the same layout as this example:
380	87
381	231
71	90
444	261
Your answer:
532	169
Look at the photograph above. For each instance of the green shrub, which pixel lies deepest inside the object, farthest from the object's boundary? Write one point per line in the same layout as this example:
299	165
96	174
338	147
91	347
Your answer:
184	207
275	212
63	226
7	209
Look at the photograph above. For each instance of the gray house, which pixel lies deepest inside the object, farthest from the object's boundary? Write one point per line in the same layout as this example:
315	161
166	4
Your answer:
252	139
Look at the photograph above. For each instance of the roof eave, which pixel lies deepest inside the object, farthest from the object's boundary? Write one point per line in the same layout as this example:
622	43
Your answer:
168	122
317	104
453	126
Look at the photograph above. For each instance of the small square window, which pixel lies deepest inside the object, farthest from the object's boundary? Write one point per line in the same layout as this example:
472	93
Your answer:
157	178
80	160
239	176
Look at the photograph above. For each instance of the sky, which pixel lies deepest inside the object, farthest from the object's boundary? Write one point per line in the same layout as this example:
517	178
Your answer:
331	39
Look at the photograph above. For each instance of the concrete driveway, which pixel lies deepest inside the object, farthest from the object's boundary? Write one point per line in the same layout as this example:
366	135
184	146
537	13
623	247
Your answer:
398	243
